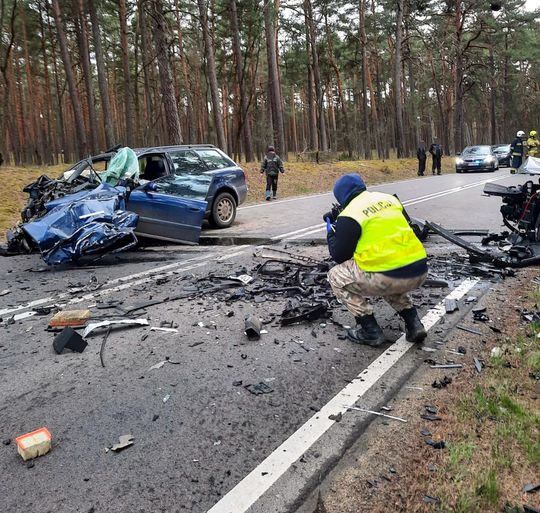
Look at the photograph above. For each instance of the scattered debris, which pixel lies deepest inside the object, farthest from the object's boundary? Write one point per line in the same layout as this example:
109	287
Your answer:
496	352
531	488
431	409
336	418
123	442
450	305
166	398
442	383
162	363
534	375
478	365
430	418
436	444
253	327
469	330
114	323
428	499
166	330
4	292
70	339
34	444
298	313
376	413
259	388
447	366
102	348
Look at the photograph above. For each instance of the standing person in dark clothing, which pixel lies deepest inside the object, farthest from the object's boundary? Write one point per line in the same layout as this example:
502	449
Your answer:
272	165
422	157
1	159
518	151
377	254
436	154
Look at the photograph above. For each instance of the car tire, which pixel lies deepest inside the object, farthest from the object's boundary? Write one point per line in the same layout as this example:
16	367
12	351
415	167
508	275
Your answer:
458	170
223	210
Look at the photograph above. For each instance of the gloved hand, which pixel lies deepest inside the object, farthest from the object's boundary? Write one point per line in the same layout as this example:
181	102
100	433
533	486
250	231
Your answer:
329	225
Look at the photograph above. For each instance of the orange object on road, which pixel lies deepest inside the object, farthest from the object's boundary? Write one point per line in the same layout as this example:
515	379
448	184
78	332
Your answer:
34	444
73	318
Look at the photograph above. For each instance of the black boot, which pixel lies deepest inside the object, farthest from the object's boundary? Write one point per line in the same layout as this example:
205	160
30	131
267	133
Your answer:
414	329
367	332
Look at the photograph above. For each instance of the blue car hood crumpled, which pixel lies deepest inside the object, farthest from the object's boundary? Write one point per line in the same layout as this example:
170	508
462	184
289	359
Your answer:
86	224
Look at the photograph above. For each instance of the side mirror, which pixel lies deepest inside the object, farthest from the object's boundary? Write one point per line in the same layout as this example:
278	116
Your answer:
150	187
458	154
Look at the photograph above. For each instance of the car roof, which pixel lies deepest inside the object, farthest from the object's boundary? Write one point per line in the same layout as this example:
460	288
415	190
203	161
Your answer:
487	146
150	149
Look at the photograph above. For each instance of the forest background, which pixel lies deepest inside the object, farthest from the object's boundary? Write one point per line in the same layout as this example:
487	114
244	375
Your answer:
317	78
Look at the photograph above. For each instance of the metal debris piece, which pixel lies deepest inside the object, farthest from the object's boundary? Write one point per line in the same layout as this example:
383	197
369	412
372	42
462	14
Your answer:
123	442
447	366
428	499
114	323
376	413
336	418
534	375
5	292
479	314
450	305
431	409
425	432
478	365
469	330
242	278
531	488
166	398
162	363
435	283
259	388
253	327
294	314
165	330
102	348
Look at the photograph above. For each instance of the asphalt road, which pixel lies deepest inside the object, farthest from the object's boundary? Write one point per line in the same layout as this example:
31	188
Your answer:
208	436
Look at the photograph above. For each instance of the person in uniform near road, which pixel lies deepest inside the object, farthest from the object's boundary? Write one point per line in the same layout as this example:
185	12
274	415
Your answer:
272	165
436	154
517	151
377	254
422	157
533	144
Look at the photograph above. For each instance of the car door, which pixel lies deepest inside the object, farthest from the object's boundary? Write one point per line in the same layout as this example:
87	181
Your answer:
172	207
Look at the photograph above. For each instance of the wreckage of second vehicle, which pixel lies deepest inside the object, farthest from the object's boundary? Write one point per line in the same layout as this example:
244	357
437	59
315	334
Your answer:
164	193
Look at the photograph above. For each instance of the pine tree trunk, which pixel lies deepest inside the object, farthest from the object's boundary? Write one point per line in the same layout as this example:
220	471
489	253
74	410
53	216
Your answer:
400	134
273	78
128	95
82	148
102	77
174	131
212	74
363	50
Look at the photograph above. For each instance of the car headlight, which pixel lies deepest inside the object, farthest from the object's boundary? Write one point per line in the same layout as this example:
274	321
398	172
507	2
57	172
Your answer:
459	161
489	160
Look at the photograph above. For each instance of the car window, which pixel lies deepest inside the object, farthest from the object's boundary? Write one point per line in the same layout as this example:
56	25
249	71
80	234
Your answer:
477	150
185	186
187	161
214	159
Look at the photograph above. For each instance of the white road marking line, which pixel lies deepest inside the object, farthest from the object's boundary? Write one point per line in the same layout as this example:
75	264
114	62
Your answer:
421	199
259	480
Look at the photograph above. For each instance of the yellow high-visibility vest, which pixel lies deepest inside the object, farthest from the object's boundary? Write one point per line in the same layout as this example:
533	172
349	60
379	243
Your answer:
387	241
533	143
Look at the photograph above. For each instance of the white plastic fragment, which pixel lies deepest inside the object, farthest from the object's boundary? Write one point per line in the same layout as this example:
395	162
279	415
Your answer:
120	322
166	398
166	330
4	292
496	352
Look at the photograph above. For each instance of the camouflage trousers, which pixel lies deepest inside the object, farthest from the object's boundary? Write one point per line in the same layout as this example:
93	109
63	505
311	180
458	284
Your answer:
351	285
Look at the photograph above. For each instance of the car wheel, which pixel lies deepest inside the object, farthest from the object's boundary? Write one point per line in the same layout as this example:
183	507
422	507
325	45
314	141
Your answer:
223	210
458	170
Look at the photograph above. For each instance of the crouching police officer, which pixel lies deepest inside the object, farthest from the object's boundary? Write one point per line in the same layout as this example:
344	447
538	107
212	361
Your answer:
377	254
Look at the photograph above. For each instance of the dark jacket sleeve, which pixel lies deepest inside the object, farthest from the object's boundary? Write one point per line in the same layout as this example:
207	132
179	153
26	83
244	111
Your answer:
264	164
342	242
280	165
431	150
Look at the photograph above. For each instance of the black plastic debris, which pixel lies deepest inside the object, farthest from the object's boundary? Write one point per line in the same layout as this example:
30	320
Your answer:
293	314
253	327
428	499
530	509
479	314
534	375
461	350
70	339
238	383
336	418
436	444
442	383
259	388
430	418
425	432
431	409
469	330
531	488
